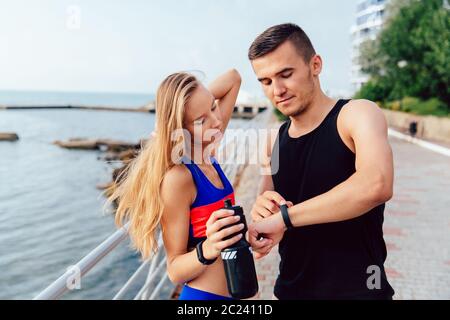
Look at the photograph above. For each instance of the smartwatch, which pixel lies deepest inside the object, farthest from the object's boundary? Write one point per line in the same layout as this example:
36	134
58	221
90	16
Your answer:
200	255
285	215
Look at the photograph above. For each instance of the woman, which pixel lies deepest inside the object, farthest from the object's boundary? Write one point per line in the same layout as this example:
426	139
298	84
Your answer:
184	197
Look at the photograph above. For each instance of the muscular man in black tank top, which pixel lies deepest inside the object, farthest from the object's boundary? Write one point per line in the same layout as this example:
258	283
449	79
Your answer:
332	164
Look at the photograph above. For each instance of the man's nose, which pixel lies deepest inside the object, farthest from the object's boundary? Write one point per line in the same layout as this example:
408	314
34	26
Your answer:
278	89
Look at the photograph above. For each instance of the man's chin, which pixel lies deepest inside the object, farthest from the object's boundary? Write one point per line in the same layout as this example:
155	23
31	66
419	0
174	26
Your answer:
292	111
288	112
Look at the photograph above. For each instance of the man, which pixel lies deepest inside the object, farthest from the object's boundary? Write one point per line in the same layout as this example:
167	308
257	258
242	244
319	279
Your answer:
335	172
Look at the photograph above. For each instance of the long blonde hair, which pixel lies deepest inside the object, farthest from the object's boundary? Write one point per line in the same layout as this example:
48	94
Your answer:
137	190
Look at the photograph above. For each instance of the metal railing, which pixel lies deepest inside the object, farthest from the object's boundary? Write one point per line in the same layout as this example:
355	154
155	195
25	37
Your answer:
60	285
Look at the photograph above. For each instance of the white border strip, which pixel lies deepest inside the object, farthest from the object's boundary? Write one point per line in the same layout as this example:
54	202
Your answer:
427	145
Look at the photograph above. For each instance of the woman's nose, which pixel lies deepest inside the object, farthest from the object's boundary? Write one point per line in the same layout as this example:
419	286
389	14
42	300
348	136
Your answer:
216	123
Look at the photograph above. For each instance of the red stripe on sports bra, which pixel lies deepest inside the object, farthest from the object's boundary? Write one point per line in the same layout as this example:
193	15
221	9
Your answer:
200	215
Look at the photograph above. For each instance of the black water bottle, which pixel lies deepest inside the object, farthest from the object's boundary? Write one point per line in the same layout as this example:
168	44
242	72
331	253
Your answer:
238	261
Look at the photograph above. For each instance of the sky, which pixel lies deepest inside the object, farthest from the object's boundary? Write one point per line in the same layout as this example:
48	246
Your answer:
130	46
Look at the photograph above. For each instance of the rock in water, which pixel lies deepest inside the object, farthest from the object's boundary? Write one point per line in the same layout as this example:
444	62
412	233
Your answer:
9	136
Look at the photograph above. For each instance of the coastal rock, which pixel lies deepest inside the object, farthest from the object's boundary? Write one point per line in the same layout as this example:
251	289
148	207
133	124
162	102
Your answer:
117	175
8	136
96	144
123	155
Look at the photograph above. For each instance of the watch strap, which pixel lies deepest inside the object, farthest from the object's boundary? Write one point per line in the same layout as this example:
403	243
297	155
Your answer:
201	257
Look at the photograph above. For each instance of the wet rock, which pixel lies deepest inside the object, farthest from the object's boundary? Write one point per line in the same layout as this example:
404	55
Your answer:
8	136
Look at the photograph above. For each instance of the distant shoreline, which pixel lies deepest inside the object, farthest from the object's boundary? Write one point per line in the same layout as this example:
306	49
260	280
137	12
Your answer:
145	109
243	111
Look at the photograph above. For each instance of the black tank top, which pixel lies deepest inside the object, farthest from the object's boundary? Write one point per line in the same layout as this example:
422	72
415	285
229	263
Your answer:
332	260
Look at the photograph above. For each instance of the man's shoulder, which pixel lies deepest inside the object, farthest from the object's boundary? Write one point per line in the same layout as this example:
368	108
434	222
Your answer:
361	106
361	113
360	109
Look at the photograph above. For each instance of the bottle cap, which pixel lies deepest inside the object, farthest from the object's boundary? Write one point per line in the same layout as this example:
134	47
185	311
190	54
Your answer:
228	203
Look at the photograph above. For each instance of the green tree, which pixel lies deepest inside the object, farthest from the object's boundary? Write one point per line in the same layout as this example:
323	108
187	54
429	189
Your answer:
411	56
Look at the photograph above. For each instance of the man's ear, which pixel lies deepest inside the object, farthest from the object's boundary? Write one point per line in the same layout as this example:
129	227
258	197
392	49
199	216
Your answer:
316	65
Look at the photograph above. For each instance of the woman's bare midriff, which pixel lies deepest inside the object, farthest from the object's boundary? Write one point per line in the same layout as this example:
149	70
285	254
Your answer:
212	279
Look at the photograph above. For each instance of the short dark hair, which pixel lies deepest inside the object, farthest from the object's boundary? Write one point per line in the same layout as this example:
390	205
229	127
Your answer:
273	37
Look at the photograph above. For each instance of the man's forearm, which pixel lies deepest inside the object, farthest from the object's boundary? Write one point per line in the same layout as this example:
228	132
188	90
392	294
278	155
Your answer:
350	199
265	184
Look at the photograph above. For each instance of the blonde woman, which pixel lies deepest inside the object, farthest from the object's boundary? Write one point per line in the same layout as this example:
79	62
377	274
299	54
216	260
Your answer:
184	198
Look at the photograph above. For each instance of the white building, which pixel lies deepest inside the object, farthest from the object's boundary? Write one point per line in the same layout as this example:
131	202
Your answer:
370	15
